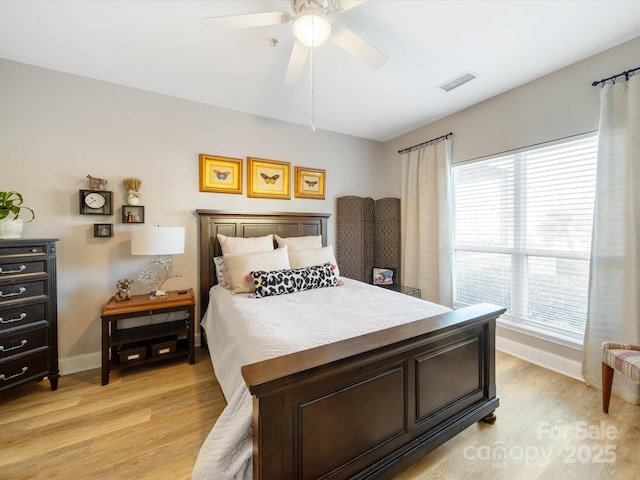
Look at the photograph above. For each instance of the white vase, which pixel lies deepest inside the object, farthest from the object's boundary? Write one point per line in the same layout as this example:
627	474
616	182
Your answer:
11	228
133	198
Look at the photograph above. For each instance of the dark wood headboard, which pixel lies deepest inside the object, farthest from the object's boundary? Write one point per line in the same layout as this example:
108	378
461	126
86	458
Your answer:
246	224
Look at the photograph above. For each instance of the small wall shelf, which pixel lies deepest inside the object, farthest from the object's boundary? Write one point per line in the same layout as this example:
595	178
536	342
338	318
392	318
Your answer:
132	214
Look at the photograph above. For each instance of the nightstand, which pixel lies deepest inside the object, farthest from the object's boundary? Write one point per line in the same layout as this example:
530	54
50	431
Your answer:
414	292
128	347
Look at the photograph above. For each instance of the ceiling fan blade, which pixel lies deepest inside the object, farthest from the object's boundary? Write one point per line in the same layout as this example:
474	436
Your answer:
358	47
296	62
248	20
344	5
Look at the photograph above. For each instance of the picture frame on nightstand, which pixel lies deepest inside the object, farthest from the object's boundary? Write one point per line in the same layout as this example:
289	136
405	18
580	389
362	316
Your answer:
384	276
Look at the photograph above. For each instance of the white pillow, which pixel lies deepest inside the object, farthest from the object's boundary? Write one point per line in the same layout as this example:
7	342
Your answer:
238	267
219	263
313	257
238	245
300	243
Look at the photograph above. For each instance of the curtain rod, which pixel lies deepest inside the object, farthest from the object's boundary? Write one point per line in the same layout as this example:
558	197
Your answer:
626	75
405	150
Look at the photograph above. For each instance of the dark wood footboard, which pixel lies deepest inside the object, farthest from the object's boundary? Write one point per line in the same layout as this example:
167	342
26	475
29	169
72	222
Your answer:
356	408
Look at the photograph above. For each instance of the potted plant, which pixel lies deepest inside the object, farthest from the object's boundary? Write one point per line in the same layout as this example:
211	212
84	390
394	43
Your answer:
10	208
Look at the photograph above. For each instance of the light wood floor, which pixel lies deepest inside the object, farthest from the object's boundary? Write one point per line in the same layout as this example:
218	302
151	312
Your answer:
150	422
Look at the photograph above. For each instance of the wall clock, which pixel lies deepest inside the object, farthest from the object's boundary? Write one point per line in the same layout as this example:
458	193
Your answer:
96	202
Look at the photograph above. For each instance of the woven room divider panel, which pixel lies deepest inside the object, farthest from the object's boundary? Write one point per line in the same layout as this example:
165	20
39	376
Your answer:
355	227
387	234
367	236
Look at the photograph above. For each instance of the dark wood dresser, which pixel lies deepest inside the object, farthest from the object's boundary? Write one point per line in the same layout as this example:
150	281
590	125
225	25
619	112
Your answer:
28	312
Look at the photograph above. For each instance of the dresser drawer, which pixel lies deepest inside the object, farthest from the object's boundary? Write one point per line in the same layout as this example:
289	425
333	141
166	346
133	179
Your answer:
22	250
11	269
23	369
23	339
21	290
18	316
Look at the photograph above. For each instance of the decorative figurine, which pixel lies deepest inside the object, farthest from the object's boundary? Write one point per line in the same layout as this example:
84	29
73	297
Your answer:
124	290
97	183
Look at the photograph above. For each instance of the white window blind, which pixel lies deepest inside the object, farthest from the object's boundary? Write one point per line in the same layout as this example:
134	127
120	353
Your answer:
522	233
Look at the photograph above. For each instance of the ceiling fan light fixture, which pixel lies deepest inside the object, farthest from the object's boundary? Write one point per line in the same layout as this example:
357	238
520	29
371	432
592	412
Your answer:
311	29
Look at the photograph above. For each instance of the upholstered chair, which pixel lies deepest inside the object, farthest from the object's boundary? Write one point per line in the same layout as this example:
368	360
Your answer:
624	358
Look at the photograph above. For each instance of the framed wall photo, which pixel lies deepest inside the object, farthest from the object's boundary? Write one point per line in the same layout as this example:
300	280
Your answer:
309	183
268	178
102	230
383	276
220	174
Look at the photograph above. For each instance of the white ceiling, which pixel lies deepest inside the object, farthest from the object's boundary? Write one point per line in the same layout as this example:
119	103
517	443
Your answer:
162	46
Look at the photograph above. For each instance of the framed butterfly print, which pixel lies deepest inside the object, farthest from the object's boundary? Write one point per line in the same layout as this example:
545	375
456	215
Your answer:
220	174
268	178
309	183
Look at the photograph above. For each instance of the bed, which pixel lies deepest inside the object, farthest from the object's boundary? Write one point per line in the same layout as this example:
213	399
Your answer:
351	404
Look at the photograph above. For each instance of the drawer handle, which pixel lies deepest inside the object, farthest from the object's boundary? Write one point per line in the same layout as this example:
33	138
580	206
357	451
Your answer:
20	291
11	320
3	377
6	272
15	347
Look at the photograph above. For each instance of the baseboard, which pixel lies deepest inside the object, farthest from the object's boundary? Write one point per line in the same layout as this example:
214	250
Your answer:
543	358
80	363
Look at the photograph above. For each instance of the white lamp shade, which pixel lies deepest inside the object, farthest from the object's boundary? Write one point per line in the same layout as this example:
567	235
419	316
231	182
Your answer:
157	240
311	29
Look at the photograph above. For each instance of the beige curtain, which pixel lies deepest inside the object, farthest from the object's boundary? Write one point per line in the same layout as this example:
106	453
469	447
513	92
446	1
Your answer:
614	291
426	221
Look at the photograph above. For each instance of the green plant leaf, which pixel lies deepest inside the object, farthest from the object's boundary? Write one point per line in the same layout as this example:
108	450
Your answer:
11	202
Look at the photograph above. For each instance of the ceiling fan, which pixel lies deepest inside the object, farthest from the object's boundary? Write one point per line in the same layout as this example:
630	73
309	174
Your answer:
311	28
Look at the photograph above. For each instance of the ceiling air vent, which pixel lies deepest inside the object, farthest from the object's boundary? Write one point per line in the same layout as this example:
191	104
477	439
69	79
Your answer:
457	81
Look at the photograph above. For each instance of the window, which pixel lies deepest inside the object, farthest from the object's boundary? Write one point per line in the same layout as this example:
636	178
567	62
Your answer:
522	234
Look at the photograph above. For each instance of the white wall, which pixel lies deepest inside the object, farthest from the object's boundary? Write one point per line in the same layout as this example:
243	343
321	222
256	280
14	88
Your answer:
558	105
56	128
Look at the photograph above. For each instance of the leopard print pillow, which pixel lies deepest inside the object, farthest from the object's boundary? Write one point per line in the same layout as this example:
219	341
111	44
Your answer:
280	282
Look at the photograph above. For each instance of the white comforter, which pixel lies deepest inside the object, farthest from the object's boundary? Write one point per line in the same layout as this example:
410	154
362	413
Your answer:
243	330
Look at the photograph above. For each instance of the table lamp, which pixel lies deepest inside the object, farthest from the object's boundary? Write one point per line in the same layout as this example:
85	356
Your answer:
160	241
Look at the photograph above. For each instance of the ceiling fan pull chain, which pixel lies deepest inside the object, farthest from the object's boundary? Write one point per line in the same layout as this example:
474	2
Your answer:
313	123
